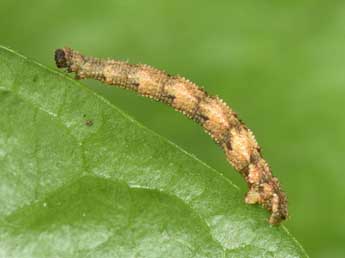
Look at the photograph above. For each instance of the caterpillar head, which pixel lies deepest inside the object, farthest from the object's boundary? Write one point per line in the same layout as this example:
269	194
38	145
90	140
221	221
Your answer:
68	58
61	59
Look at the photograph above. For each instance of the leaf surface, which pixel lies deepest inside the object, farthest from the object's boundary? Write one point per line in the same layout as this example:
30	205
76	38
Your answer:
79	178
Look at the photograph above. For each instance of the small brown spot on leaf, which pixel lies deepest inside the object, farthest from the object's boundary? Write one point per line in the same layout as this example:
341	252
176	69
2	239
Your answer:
88	122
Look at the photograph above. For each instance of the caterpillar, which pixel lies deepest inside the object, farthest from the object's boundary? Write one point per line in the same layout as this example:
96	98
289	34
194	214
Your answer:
212	113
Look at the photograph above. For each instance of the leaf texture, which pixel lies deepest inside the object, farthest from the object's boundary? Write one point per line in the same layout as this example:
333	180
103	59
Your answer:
79	178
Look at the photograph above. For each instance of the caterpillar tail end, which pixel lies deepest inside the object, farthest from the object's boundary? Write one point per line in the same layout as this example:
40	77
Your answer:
275	202
279	209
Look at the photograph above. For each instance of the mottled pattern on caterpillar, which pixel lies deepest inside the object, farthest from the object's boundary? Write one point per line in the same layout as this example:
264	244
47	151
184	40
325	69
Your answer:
216	117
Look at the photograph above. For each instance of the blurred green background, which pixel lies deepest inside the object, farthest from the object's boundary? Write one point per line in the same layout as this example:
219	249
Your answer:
280	65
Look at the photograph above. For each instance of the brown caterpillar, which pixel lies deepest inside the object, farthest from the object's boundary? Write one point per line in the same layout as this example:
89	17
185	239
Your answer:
218	120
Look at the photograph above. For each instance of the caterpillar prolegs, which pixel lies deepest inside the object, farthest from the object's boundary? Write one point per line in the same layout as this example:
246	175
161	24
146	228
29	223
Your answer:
215	116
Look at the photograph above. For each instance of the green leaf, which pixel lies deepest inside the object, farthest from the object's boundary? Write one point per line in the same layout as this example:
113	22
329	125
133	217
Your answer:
79	178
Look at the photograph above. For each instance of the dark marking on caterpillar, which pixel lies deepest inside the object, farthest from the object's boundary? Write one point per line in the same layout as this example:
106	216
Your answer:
228	144
216	117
